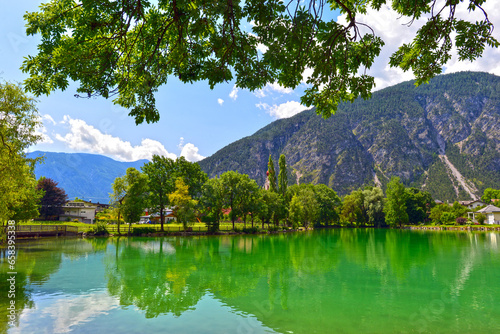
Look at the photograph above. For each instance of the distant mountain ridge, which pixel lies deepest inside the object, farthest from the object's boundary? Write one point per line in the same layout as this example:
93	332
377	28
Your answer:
83	175
443	137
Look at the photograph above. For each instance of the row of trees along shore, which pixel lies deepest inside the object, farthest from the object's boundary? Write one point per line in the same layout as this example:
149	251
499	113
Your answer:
184	187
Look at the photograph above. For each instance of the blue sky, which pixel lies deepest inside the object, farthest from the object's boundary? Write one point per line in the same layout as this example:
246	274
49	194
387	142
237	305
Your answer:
195	121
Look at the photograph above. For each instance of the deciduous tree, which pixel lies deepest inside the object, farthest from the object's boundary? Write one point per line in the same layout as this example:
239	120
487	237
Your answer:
184	205
395	205
212	201
128	49
328	202
53	199
18	122
130	194
160	184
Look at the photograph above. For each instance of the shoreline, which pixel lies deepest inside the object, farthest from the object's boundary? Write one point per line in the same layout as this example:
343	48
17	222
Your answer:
453	228
495	228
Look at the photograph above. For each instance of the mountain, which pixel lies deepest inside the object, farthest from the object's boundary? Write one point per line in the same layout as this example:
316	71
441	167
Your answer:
86	176
443	137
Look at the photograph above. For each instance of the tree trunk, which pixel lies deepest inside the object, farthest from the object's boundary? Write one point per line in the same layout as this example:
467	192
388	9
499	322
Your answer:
162	218
119	233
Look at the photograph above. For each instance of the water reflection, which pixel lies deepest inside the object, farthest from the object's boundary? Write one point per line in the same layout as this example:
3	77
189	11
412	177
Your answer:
350	279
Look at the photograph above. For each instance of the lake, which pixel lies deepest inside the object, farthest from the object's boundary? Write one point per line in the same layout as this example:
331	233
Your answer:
327	281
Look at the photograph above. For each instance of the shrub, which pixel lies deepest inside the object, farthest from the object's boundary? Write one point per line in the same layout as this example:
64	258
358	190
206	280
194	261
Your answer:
251	230
461	221
99	229
142	230
212	227
480	218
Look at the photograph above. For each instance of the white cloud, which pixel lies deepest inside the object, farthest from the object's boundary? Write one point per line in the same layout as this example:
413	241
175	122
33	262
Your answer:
190	152
393	30
272	88
234	93
83	137
220	101
41	130
278	88
47	117
262	48
284	110
68	313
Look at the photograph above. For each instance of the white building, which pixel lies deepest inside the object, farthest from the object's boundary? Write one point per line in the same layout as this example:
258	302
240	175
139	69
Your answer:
81	210
492	214
472	204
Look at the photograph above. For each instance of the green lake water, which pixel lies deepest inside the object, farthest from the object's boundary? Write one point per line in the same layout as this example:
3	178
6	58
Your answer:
331	281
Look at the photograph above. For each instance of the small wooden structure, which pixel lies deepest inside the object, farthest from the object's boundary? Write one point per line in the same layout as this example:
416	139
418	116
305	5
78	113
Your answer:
30	231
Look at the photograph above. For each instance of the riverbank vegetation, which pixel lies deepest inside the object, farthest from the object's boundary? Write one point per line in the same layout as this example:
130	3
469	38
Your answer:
235	197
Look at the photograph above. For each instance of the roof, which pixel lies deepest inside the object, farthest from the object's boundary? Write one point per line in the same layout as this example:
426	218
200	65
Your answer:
465	203
489	209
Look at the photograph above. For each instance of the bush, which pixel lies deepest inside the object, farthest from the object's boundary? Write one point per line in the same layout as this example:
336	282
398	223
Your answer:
212	227
480	218
461	221
251	230
142	230
275	228
99	229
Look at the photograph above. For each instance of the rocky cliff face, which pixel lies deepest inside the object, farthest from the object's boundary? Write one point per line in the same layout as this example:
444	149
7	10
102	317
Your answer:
401	131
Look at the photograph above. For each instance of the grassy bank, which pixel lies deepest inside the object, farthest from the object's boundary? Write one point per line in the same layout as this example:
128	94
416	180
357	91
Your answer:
113	228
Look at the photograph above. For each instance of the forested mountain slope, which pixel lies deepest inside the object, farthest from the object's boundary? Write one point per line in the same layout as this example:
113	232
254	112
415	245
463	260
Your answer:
421	134
82	175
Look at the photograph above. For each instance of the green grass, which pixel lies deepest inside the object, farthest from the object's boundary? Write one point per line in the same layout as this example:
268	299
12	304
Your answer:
112	228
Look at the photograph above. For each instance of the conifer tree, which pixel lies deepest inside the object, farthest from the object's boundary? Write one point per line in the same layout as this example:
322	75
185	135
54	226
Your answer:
282	176
271	175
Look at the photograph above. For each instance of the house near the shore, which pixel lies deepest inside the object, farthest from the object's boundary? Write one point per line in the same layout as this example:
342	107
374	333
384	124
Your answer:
491	212
472	204
80	210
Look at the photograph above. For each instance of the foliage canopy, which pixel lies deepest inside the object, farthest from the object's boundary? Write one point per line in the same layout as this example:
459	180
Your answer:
19	120
130	48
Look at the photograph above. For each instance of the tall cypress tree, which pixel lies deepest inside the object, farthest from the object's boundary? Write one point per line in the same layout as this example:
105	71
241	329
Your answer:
271	175
283	175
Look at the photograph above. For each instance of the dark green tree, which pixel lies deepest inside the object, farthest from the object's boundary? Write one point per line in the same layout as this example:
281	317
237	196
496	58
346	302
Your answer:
249	195
160	184
231	189
418	205
212	202
328	204
282	176
395	205
271	175
374	206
